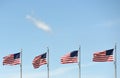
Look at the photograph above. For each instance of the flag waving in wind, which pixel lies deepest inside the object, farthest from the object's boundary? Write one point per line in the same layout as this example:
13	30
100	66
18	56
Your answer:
12	59
104	56
71	57
39	60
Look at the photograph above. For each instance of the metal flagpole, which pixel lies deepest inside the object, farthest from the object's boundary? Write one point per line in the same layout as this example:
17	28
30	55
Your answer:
21	64
48	61
79	61
115	61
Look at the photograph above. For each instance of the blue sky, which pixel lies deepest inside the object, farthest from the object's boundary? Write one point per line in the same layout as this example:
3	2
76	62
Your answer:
63	25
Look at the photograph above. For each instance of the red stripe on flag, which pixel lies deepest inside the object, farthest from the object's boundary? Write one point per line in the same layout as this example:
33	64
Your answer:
67	59
9	60
38	61
102	57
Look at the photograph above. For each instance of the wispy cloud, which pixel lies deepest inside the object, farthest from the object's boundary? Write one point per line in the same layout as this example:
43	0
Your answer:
43	26
88	64
110	23
58	72
62	70
96	76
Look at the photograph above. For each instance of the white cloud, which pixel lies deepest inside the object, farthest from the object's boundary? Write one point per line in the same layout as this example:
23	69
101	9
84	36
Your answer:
39	23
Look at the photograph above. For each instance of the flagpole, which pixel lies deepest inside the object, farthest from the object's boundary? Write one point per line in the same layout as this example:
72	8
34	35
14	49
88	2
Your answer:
79	61
115	61
21	64
48	61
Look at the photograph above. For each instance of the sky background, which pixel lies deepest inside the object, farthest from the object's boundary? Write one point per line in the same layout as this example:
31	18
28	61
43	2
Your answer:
61	25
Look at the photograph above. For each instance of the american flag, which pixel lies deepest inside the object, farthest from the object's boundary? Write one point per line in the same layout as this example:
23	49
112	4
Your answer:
39	60
104	56
12	59
70	57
